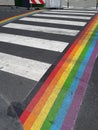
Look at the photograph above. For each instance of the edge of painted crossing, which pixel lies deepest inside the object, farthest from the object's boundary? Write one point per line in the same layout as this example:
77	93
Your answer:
10	19
53	66
48	80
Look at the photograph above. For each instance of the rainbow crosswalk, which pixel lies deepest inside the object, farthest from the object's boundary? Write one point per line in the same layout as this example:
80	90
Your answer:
38	55
55	105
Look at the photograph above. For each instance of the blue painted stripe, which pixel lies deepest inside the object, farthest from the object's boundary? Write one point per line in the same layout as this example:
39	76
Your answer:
68	99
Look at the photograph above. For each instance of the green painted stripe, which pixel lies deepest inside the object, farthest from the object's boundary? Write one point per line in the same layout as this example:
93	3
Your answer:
55	108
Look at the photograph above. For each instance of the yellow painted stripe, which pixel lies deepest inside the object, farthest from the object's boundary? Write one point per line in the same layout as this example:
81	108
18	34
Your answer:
36	110
38	123
19	16
41	118
28	122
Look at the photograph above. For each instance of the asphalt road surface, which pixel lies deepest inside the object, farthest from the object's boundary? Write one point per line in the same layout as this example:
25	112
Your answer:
30	48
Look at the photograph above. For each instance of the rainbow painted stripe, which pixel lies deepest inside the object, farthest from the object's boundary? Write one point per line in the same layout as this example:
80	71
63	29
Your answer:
56	104
7	20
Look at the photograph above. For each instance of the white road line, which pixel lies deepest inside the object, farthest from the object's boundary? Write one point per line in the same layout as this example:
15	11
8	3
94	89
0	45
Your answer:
63	16
75	13
33	42
69	10
23	67
42	29
64	22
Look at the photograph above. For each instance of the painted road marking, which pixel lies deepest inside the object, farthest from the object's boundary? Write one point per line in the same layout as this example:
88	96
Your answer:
42	29
73	87
63	16
56	90
70	10
38	111
18	16
76	102
42	103
58	12
27	68
33	42
58	84
64	22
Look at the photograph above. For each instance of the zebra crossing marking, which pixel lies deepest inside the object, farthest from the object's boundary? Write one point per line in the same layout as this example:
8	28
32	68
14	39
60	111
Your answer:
9	64
75	13
70	10
33	42
64	22
30	69
9	61
63	16
42	29
42	103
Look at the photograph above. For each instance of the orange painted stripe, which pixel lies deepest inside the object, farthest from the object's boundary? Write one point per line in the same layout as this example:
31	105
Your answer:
18	16
31	106
43	88
43	99
37	109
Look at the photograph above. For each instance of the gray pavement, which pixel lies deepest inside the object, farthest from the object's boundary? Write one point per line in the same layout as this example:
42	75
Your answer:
8	117
88	115
9	11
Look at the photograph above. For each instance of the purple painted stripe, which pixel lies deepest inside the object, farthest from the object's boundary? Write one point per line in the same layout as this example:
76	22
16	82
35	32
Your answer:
74	108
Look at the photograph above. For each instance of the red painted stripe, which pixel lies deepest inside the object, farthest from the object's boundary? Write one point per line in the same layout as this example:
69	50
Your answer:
33	1
42	1
37	97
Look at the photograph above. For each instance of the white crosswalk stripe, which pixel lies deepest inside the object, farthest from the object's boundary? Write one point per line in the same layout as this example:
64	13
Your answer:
64	22
33	42
70	10
27	68
43	29
73	13
63	16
